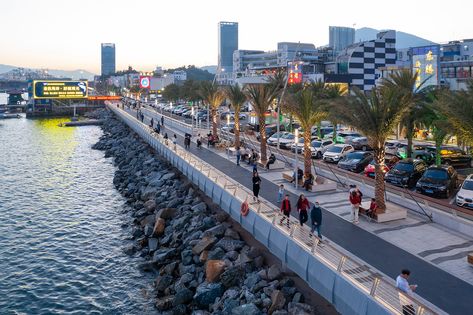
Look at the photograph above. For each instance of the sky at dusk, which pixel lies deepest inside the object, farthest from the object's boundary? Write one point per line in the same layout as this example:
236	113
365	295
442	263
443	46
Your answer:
67	34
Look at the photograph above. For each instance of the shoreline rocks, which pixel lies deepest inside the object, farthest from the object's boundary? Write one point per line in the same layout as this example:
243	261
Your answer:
199	262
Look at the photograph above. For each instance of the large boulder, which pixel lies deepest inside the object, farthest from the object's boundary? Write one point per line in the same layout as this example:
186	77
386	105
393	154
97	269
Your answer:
277	301
230	244
203	244
163	282
246	309
168	176
183	296
150	205
299	309
274	272
186	257
200	207
162	254
216	253
167	213
232	276
217	231
149	219
214	269
159	227
206	293
164	303
251	280
231	233
152	244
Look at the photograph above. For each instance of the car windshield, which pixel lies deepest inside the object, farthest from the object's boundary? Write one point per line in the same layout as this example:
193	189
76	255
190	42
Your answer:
404	167
316	144
335	149
436	174
468	185
355	156
289	136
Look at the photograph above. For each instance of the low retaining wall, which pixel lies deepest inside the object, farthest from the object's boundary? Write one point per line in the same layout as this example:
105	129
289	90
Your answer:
325	277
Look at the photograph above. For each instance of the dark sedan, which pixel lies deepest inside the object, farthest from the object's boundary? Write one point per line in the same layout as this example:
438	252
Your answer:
438	181
355	161
451	155
406	173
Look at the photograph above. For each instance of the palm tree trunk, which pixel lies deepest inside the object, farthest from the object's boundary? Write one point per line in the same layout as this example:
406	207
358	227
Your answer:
214	121
409	135
334	133
379	188
237	128
307	152
262	131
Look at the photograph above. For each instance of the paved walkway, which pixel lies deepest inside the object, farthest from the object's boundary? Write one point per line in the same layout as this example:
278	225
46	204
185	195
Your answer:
390	247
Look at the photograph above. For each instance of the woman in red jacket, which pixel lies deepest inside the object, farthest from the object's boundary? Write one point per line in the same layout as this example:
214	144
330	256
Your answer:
355	200
286	210
303	208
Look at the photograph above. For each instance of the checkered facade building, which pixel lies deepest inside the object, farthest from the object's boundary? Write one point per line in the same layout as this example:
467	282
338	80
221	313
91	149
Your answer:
364	59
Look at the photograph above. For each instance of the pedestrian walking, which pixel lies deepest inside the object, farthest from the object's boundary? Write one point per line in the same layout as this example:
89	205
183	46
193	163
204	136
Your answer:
157	129
355	200
238	156
316	219
151	122
286	210
199	141
404	298
174	141
162	121
256	185
280	193
302	208
166	138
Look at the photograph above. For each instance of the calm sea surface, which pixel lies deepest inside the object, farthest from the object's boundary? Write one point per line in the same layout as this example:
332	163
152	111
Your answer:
63	225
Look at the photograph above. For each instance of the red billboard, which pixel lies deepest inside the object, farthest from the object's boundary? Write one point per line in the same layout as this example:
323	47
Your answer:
145	82
294	72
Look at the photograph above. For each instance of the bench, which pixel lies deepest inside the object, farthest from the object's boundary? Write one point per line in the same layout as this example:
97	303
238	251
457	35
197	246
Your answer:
470	258
277	165
288	176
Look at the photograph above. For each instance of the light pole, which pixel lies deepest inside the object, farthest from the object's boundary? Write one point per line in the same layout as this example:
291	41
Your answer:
228	130
192	119
296	161
171	108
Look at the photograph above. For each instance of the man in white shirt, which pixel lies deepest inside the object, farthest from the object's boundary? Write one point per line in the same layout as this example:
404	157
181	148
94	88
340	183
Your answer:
403	285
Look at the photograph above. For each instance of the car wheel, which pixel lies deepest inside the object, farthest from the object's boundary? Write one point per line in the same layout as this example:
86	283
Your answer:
319	155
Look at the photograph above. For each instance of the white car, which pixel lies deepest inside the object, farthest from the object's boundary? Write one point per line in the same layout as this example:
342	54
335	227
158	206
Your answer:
318	148
273	140
465	195
336	152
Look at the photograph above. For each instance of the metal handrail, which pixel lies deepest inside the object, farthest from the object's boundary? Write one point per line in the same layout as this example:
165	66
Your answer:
365	277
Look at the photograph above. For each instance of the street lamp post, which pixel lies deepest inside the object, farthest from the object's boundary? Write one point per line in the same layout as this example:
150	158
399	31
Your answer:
171	108
228	130
192	119
296	161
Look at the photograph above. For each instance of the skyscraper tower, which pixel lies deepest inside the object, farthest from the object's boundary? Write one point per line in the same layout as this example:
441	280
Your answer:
341	37
108	58
227	44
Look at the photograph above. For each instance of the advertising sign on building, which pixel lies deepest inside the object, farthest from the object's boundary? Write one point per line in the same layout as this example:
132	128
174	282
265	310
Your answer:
294	72
425	62
145	82
49	89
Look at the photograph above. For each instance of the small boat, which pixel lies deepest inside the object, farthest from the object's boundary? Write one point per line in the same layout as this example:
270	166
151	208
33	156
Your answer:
9	115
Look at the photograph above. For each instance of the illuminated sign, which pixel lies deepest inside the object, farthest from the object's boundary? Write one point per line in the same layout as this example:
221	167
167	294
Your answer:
59	89
425	62
145	82
104	98
294	72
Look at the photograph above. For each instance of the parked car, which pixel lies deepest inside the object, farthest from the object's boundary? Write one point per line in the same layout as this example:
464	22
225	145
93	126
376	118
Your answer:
370	169
360	143
273	139
406	173
270	130
345	137
336	152
230	127
419	151
451	155
318	148
286	141
465	195
300	145
323	132
438	181
355	161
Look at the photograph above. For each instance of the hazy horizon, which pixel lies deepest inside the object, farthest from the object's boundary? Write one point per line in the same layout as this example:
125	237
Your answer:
64	35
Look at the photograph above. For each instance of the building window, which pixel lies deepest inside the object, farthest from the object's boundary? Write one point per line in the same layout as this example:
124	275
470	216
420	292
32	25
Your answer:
463	72
448	72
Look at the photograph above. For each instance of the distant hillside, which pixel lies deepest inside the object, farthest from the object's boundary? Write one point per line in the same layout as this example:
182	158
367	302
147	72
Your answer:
211	69
194	73
73	74
403	40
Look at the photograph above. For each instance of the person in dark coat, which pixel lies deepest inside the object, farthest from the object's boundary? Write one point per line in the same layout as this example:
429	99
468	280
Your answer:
286	210
256	185
316	219
302	208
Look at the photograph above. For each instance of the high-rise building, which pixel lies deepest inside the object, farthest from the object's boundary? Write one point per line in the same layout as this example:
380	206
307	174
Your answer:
341	37
108	58
227	44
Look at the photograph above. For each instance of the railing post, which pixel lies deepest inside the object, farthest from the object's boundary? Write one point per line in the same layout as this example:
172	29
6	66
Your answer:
341	262
291	233
315	244
420	310
374	286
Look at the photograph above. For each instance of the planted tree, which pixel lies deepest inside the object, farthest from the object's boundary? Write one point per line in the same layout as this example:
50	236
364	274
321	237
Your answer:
213	96
237	98
375	115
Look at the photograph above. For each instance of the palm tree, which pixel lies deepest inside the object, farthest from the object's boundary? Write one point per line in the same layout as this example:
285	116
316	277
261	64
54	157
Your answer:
237	99
306	105
405	81
375	115
458	109
213	97
261	96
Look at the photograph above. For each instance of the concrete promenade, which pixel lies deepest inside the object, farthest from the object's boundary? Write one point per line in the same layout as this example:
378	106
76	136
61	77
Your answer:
436	285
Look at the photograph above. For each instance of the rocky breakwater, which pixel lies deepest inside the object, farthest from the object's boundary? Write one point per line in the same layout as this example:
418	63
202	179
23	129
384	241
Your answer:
200	263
